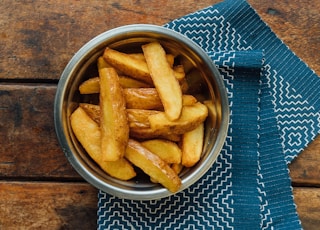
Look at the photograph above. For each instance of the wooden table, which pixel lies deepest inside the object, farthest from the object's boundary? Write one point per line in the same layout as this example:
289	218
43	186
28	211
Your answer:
38	187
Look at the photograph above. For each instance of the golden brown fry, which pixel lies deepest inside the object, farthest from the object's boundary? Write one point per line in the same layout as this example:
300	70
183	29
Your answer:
88	134
147	133
170	57
152	165
191	117
92	110
192	144
90	86
139	117
179	72
131	66
140	126
128	82
163	79
177	168
102	63
212	112
189	100
113	121
166	150
142	98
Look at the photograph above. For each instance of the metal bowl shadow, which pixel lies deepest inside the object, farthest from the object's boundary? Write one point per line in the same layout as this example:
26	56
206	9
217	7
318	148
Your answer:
83	65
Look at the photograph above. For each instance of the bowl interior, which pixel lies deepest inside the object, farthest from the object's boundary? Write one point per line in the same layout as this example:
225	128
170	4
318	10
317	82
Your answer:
83	65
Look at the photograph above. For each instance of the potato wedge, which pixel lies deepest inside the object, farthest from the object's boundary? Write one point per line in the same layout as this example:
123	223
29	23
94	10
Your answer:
212	112
128	82
169	57
191	117
139	117
142	98
166	150
102	63
163	79
113	120
138	122
88	134
152	165
90	86
192	144
92	110
147	133
188	100
179	72
140	126
131	66
177	168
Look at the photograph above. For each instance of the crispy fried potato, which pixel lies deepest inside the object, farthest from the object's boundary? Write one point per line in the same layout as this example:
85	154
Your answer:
140	126
146	133
102	63
88	134
113	120
152	165
192	144
139	117
170	59
128	82
166	150
212	112
177	168
191	117
92	110
188	100
142	98
179	72
131	66
140	56
90	86
163	79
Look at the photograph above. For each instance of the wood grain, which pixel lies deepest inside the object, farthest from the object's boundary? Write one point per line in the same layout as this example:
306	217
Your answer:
29	147
308	206
39	37
305	169
30	205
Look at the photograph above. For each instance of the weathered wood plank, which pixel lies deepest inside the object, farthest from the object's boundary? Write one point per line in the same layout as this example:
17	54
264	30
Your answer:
29	147
308	207
38	38
305	169
27	205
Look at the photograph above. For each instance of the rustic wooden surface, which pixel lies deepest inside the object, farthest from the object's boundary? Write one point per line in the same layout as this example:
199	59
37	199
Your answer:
38	187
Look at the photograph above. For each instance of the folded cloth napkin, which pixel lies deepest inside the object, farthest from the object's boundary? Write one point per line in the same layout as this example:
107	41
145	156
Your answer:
274	104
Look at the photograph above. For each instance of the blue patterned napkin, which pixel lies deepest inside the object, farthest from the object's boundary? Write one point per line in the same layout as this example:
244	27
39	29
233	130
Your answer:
274	103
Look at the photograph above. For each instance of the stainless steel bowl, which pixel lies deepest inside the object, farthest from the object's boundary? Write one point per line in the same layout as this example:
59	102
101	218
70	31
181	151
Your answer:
128	38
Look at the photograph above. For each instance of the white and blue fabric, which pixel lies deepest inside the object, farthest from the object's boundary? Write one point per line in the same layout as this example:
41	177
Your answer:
275	113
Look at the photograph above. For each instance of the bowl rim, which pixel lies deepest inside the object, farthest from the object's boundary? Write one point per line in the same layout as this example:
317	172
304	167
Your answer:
59	119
